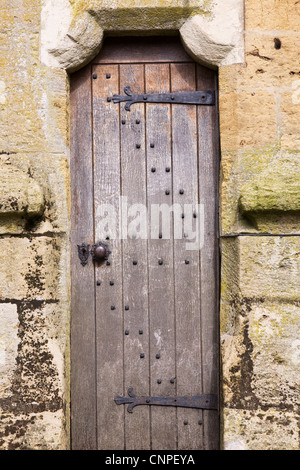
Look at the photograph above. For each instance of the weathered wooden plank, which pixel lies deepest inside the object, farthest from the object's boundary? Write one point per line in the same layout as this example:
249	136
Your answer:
135	276
161	282
186	262
83	372
109	305
209	256
142	50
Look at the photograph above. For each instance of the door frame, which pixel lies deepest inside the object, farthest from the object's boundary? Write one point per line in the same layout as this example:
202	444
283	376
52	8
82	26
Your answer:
81	208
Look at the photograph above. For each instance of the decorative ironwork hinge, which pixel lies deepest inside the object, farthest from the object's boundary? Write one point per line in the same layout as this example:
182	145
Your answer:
184	97
206	402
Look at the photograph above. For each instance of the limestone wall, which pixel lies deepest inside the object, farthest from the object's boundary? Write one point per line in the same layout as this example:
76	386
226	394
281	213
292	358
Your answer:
40	40
260	311
34	234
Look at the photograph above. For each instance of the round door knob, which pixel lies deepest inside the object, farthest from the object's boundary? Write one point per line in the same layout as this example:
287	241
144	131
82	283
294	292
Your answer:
100	253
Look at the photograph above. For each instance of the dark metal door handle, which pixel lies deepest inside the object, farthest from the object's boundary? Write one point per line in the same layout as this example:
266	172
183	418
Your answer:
99	252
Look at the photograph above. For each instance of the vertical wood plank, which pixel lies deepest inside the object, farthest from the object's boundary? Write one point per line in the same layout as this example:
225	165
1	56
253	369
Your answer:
209	256
83	365
135	276
109	308
161	283
186	263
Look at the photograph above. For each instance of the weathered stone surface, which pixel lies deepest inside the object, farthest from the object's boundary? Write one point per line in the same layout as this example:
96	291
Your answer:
81	43
216	40
260	192
272	15
36	384
31	268
34	182
261	355
213	33
273	191
260	430
33	431
46	176
241	125
20	194
270	267
274	329
290	105
267	65
260	344
9	341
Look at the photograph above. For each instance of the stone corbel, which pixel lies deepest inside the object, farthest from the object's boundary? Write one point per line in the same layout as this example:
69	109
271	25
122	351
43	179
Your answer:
216	40
271	200
80	44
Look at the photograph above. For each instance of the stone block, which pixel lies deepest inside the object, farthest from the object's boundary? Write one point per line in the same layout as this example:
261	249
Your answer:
33	431
260	354
268	66
9	341
272	15
290	117
229	131
20	194
40	380
248	119
38	110
270	267
271	429
274	333
32	268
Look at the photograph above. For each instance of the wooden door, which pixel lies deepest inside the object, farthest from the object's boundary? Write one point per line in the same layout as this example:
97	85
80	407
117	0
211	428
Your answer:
146	318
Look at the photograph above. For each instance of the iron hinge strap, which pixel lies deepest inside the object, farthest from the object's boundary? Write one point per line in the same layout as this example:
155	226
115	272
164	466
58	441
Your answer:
204	97
206	402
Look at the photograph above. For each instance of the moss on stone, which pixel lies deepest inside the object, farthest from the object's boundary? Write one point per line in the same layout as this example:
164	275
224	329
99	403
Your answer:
141	15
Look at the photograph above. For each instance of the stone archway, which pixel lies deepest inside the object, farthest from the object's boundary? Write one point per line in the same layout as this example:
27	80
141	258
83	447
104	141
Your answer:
72	31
